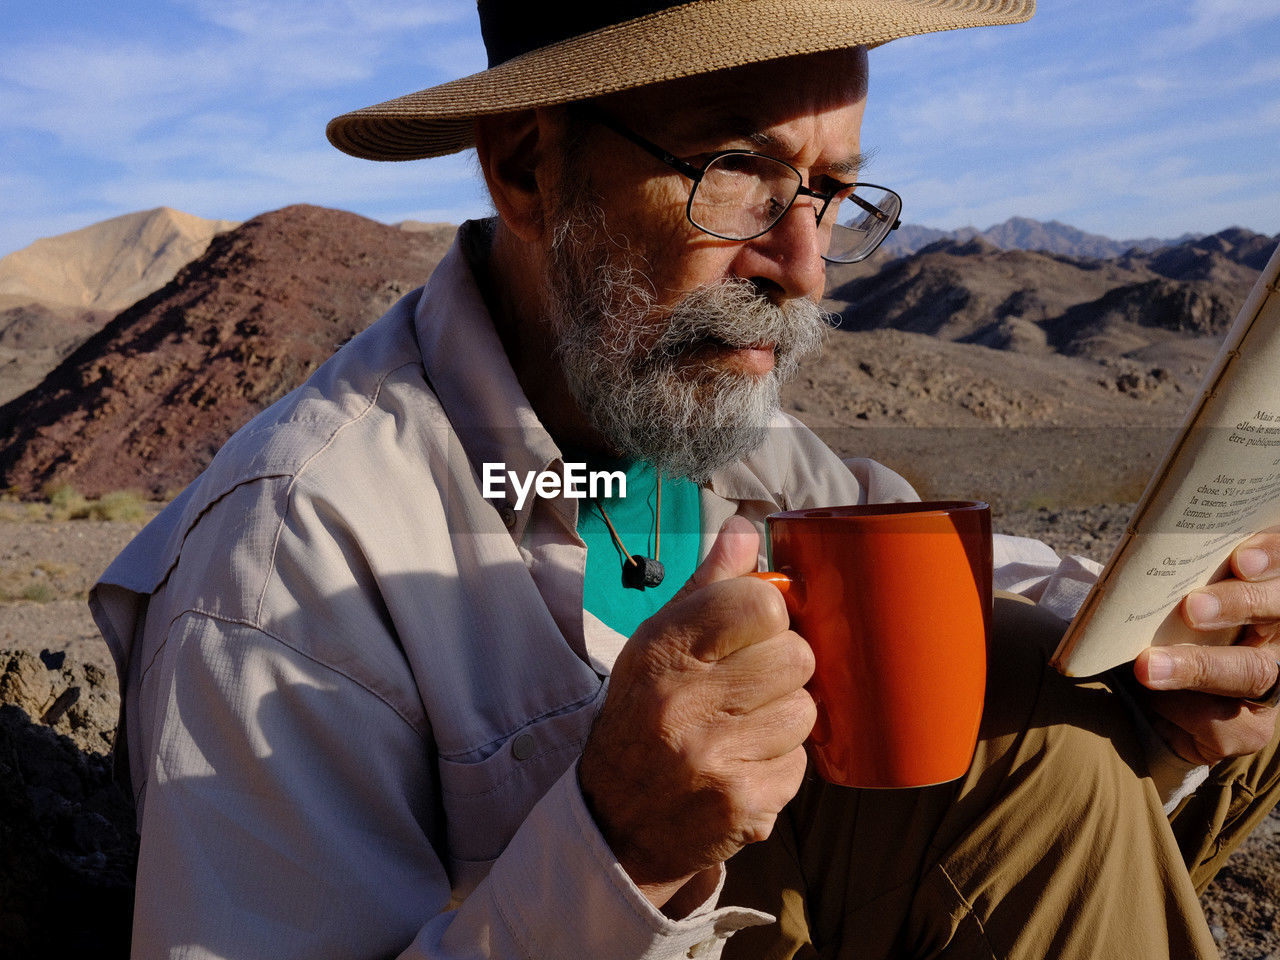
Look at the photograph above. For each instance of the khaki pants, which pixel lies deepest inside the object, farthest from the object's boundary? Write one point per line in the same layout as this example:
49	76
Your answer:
1053	846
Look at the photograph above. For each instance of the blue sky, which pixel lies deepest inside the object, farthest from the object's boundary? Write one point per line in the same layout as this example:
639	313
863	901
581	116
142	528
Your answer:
1124	117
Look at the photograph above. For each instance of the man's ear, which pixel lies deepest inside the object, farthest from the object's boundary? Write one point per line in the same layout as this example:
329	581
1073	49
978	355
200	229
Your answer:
510	149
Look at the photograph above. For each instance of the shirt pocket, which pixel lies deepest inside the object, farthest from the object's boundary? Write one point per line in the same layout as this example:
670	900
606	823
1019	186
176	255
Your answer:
486	801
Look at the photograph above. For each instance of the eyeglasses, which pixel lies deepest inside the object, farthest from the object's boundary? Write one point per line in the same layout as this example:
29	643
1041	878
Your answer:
741	195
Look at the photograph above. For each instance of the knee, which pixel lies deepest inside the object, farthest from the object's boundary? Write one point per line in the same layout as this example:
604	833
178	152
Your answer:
1077	736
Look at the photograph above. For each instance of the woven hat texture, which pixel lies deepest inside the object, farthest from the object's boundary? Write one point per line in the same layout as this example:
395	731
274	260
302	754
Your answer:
680	41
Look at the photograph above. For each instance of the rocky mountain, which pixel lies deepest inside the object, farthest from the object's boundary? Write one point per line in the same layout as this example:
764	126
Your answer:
146	401
961	333
109	265
1023	233
1170	304
1227	256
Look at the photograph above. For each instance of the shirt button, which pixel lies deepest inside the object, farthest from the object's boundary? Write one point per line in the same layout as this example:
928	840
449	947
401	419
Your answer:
522	746
702	949
508	517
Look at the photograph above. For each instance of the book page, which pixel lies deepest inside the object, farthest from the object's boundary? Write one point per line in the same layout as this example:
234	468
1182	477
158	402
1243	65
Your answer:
1219	484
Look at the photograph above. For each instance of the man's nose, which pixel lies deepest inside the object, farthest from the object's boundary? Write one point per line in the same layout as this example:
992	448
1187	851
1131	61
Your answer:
789	257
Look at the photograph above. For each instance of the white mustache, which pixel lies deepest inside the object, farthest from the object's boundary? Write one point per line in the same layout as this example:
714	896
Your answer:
735	313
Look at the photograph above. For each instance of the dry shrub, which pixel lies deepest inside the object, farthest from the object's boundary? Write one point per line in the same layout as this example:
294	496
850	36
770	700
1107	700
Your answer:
38	593
67	503
119	505
28	584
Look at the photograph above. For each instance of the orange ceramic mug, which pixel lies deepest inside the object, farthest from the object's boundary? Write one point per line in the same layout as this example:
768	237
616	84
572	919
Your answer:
895	600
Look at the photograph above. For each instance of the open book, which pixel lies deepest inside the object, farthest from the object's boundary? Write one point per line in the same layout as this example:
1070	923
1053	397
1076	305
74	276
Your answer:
1219	484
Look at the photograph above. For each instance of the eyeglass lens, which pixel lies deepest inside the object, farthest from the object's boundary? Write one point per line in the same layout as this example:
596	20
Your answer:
742	195
859	230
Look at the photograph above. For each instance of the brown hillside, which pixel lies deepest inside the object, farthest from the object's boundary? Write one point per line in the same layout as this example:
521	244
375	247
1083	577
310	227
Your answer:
956	290
1134	306
35	336
146	402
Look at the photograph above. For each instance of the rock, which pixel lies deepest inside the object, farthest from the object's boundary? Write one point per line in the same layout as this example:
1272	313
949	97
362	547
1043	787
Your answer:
68	847
26	683
58	709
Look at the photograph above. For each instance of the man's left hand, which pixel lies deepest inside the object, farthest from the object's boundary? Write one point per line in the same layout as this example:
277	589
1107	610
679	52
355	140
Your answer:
1201	709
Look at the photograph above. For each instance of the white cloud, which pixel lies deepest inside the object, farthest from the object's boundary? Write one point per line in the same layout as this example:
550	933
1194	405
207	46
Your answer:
1092	123
74	87
227	123
130	101
1263	72
453	57
272	176
1214	20
35	208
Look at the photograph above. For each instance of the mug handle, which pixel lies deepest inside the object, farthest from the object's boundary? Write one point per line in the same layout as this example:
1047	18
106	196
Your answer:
787	586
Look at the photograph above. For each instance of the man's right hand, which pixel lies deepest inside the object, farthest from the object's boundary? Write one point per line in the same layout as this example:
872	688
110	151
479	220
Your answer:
699	744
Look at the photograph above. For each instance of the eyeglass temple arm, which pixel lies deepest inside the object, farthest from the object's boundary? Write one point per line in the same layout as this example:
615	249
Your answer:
875	211
648	146
826	198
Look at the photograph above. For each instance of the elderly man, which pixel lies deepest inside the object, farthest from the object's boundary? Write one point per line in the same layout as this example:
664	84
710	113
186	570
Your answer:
377	702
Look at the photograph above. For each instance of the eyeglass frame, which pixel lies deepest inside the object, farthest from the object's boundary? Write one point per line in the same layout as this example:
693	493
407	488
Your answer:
696	174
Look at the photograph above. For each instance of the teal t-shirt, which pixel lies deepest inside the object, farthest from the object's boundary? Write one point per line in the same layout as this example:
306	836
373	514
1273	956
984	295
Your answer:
634	518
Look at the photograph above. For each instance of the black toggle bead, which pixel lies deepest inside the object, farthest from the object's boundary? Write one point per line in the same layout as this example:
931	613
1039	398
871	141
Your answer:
644	572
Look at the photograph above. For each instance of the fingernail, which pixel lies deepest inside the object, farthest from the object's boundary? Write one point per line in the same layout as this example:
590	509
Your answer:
1203	608
1252	562
1159	666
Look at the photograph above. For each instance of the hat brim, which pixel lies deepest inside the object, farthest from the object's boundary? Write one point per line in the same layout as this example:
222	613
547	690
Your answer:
694	38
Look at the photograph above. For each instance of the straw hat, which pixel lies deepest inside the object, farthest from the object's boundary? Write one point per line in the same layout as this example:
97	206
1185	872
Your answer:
544	52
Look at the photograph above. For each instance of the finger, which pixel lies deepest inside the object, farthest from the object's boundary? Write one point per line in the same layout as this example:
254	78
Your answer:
714	621
772	731
1231	603
780	779
723	617
1225	671
1202	728
776	729
756	675
1258	558
734	553
764	788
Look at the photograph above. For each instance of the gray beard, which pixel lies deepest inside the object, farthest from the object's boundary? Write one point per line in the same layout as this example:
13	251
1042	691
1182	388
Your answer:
643	393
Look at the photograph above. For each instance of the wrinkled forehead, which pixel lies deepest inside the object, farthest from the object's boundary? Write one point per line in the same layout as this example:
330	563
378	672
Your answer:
765	94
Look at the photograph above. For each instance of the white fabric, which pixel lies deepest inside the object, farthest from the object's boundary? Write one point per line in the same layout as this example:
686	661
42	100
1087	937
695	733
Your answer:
1032	568
355	691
